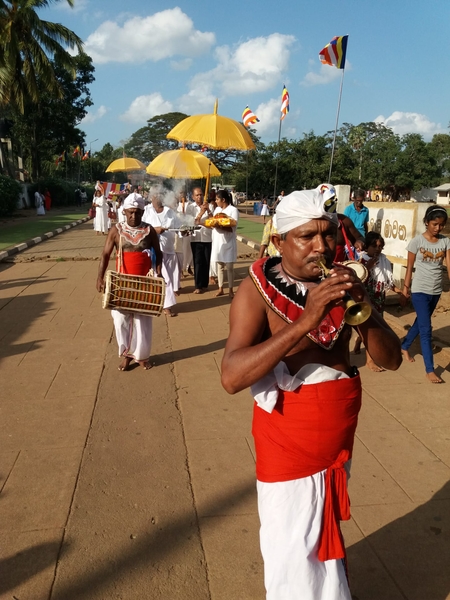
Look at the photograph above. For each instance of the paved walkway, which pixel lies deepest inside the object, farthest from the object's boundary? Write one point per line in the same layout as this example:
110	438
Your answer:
140	485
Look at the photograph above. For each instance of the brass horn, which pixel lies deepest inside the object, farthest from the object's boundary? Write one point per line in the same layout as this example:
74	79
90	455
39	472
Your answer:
356	313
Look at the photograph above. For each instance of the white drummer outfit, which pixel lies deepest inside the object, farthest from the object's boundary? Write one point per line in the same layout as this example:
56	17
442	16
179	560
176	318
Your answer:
133	330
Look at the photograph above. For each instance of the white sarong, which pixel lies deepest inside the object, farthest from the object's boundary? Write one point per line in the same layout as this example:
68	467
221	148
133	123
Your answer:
291	512
133	334
170	270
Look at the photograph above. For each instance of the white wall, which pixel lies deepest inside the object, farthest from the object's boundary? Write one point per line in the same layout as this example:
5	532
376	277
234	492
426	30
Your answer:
398	223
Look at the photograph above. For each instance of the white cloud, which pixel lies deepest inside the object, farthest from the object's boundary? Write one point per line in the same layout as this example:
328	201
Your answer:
145	107
91	117
409	122
181	65
197	102
269	114
325	75
253	66
162	35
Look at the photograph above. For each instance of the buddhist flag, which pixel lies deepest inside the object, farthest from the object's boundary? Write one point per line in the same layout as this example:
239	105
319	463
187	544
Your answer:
76	151
249	118
284	103
86	155
61	158
334	53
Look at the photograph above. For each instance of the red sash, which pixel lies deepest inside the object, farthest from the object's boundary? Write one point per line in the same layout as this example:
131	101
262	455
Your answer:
135	263
310	430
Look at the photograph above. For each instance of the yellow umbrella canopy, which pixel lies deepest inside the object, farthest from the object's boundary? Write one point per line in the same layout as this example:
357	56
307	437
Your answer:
213	130
125	164
182	164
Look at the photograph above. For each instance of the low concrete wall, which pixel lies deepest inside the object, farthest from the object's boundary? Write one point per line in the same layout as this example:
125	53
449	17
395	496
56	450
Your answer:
398	223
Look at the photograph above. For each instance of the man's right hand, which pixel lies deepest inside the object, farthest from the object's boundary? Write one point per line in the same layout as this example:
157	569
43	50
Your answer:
100	285
325	296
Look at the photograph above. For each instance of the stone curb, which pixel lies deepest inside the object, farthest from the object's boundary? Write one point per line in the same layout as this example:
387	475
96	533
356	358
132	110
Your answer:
37	240
250	243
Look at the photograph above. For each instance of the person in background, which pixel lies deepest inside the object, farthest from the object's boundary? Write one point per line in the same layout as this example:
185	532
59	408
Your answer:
132	240
77	195
201	240
47	200
358	213
224	243
39	202
267	247
162	218
101	213
379	280
83	196
426	254
264	209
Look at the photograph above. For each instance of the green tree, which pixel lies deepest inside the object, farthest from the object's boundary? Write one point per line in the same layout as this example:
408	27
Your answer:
440	150
44	131
27	46
147	142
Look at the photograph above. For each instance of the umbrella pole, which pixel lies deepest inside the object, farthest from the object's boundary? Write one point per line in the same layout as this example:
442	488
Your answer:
208	179
246	181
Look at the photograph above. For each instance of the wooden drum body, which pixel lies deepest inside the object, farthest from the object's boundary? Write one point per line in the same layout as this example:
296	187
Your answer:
134	293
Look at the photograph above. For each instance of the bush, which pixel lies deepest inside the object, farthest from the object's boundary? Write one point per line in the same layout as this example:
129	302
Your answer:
9	196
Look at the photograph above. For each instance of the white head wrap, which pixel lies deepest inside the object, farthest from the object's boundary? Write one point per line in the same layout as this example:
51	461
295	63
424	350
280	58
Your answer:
134	201
303	206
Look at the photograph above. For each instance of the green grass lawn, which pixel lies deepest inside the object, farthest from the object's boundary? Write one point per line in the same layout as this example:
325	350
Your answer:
250	230
20	230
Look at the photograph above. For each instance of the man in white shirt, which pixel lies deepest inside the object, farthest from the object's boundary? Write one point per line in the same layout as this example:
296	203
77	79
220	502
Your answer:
224	243
162	218
201	240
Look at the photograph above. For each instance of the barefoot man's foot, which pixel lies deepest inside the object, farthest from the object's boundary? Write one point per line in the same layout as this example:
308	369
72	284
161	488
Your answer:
370	364
145	364
219	293
125	364
407	356
434	378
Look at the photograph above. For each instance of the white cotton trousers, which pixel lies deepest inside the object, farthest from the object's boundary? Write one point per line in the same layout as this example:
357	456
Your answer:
170	271
291	517
133	334
221	266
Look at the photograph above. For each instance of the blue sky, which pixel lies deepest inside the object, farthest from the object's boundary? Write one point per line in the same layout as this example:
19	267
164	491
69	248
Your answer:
153	57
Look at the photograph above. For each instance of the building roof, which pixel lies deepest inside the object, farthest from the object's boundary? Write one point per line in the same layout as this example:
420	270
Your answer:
445	187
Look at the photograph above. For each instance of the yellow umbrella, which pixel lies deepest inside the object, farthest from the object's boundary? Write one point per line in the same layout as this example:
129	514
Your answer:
214	131
182	164
125	164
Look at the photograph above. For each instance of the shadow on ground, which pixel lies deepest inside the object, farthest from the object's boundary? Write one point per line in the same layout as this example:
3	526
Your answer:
414	551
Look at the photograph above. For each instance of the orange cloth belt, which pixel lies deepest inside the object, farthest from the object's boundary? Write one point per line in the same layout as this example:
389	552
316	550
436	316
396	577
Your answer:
135	263
310	430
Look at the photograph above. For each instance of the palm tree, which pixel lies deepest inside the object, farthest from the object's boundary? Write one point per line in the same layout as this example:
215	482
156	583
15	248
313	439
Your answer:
27	46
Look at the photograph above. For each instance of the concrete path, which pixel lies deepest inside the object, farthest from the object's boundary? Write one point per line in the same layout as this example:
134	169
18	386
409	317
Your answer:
140	485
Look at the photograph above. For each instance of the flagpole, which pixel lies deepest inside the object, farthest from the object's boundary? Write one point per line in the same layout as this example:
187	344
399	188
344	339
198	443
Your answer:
336	126
276	163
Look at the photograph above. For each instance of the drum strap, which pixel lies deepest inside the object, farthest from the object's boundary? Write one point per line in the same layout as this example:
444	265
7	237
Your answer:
347	241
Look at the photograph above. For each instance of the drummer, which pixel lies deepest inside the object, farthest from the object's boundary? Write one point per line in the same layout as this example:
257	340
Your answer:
133	241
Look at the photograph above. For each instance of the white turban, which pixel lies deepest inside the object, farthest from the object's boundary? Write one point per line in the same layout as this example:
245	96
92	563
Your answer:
134	201
303	206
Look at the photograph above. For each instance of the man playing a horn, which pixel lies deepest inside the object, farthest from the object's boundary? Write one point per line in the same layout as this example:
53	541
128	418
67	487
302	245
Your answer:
289	341
133	241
